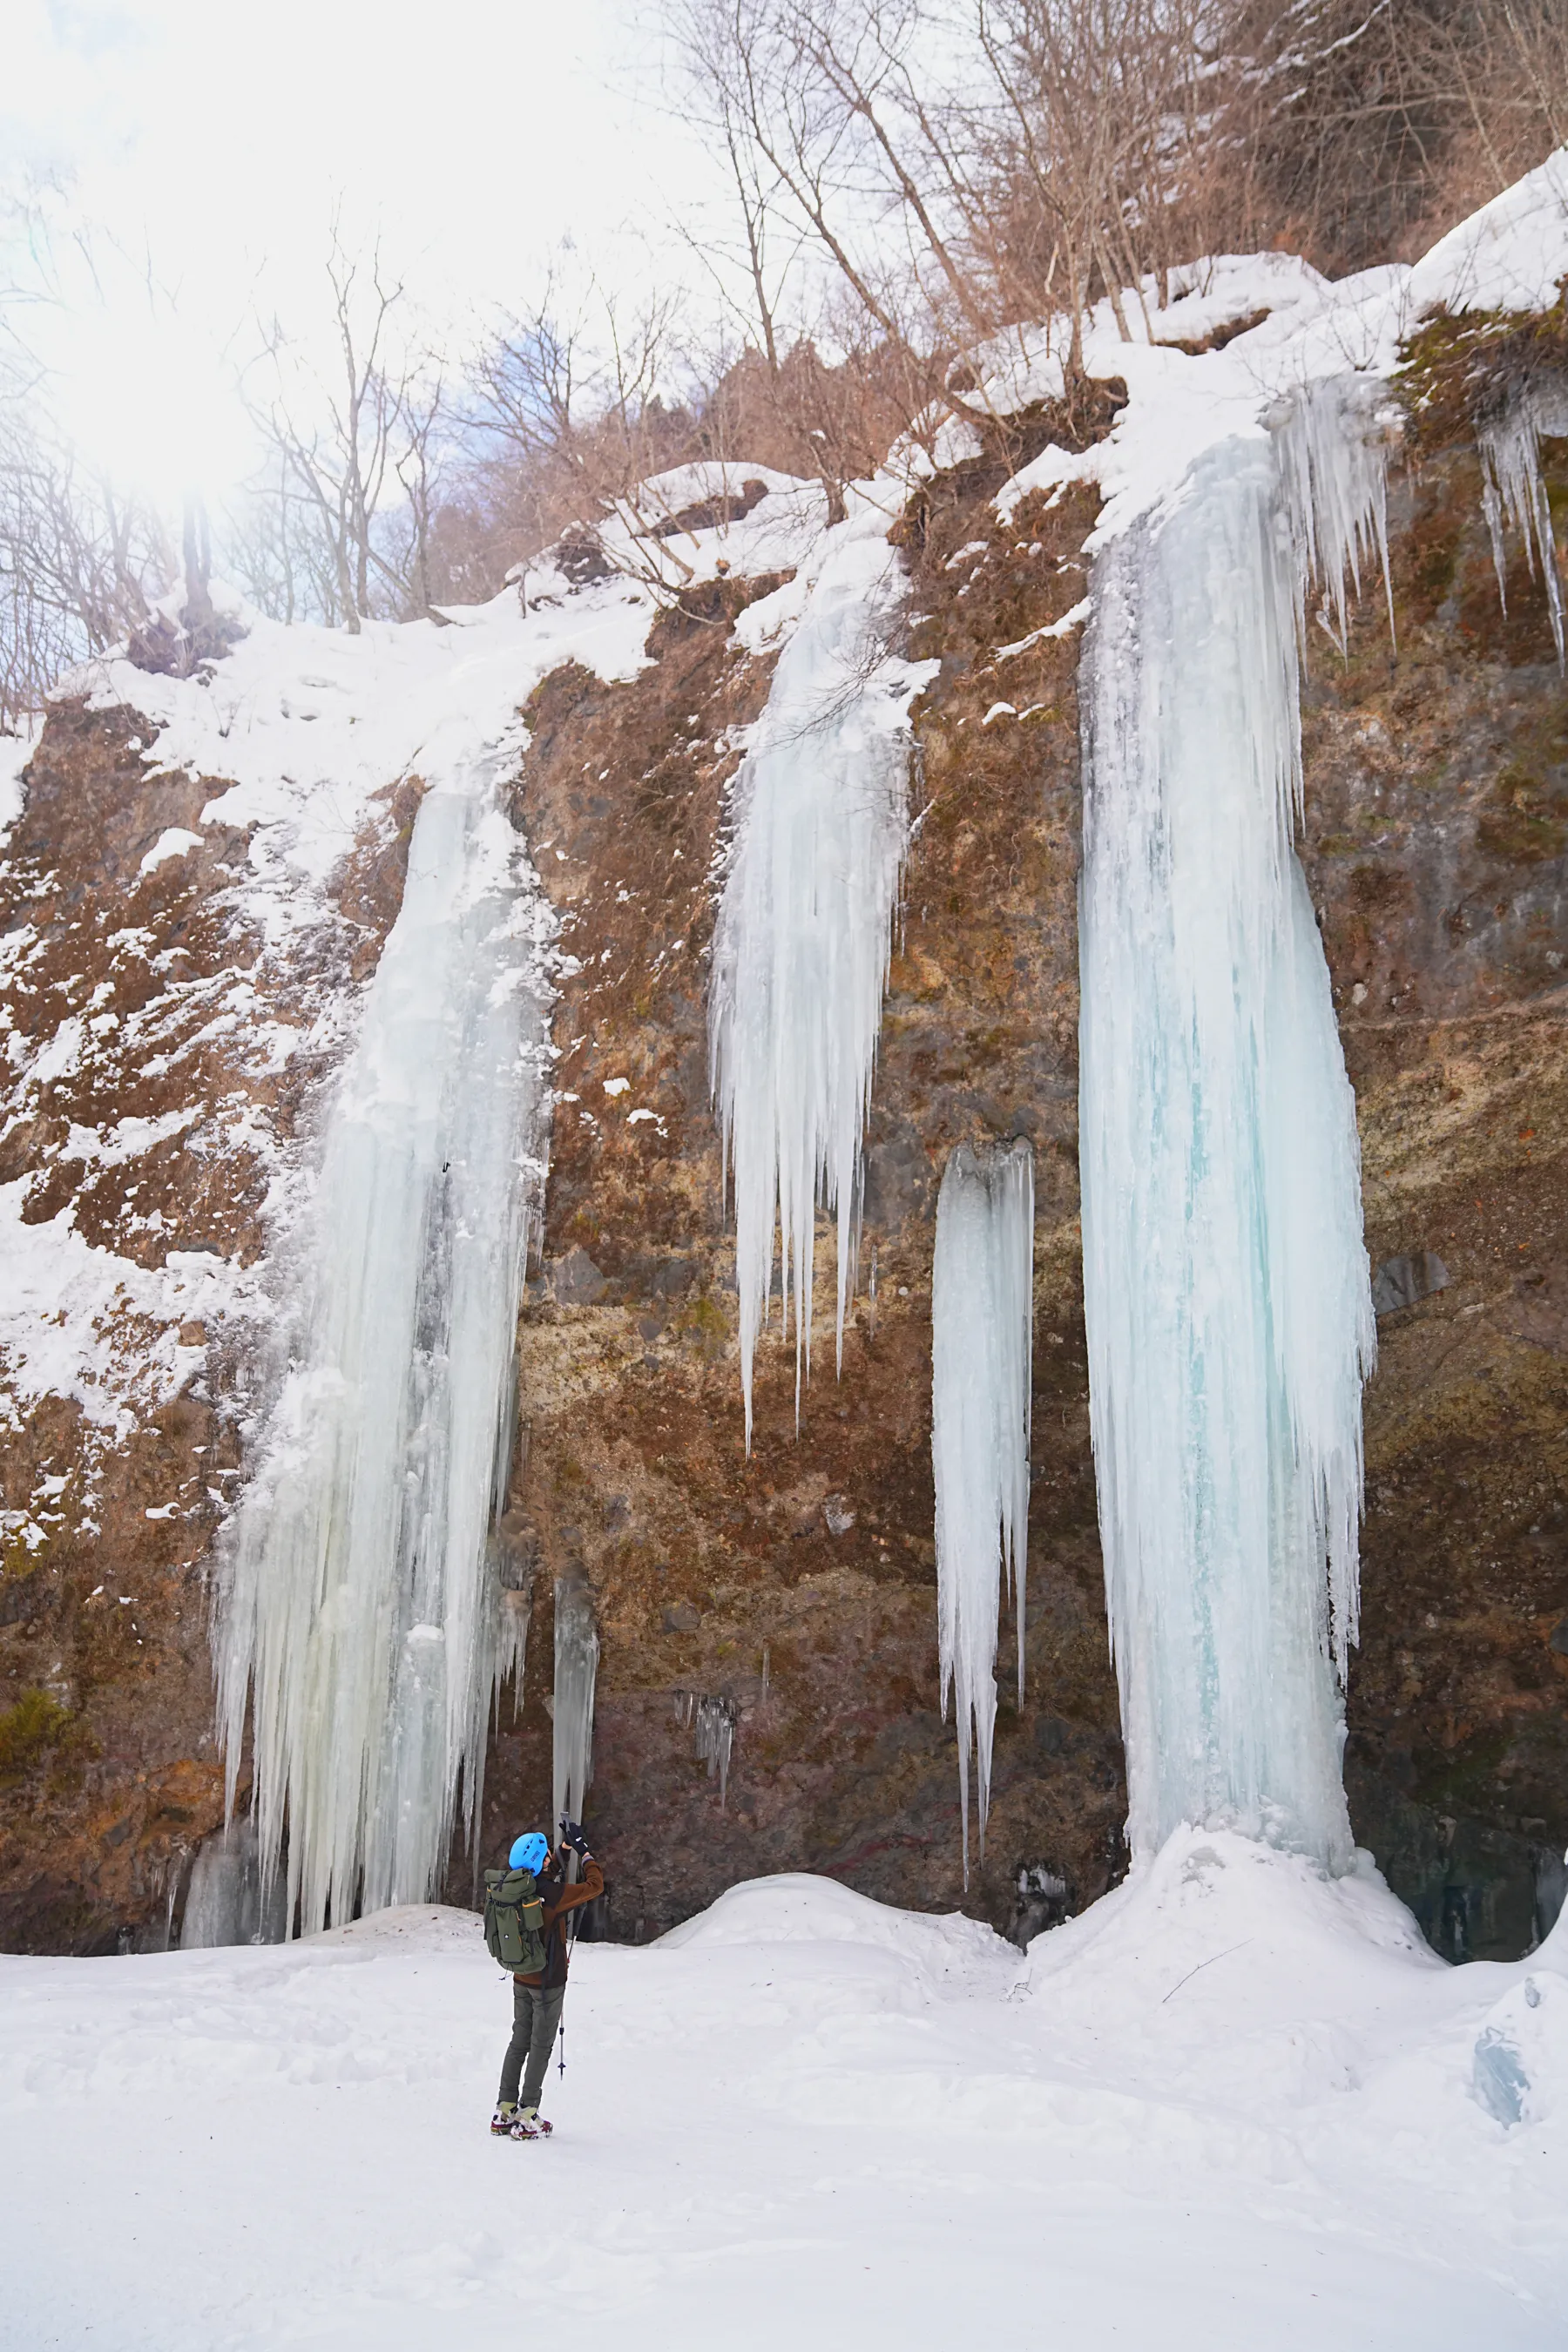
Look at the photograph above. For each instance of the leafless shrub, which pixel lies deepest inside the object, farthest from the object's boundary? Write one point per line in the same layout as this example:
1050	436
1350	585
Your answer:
1368	127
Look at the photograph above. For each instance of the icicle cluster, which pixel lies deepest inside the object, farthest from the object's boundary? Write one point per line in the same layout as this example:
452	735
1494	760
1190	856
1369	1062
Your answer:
577	1672
713	1719
803	933
1226	1290
359	1606
1513	490
982	1288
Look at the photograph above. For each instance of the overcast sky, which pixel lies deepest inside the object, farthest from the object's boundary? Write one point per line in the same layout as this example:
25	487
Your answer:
205	146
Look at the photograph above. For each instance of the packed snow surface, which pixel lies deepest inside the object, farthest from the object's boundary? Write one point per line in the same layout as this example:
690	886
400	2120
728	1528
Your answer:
1236	2107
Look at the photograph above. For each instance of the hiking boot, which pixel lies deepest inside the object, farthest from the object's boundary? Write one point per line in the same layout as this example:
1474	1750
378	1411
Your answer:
504	2117
531	2125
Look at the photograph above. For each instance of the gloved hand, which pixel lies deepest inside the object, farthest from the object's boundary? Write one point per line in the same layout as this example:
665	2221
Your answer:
573	1835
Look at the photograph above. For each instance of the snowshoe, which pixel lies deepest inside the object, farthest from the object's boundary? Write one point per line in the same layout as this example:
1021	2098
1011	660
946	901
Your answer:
531	2125
504	2117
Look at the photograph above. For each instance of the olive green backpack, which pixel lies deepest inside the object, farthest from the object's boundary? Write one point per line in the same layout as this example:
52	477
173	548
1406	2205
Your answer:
514	1921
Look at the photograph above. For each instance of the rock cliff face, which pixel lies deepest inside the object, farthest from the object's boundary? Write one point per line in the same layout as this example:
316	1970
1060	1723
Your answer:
165	1052
1436	828
794	1590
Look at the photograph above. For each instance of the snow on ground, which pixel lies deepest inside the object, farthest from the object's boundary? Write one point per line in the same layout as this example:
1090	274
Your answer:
1232	2107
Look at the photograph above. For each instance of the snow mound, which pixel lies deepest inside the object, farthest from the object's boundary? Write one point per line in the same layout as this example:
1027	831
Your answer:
797	1908
404	1928
1230	1960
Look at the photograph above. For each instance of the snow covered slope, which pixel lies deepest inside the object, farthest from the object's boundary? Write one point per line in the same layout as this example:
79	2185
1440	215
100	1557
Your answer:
802	2116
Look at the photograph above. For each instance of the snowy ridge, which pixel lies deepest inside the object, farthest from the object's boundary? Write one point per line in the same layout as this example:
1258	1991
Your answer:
805	925
982	1319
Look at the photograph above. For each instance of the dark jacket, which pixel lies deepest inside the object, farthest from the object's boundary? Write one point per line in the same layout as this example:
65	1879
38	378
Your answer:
560	1898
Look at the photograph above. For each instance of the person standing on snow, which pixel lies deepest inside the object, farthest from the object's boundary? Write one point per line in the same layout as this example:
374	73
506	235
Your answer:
539	1993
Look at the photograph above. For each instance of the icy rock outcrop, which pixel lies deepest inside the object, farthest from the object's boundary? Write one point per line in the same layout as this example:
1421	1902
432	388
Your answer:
982	1352
1227	1292
358	1614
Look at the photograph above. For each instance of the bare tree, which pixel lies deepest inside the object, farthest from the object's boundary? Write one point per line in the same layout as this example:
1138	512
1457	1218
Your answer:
80	565
341	447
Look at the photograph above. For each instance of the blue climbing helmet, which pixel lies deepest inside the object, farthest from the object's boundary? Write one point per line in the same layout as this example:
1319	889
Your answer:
530	1852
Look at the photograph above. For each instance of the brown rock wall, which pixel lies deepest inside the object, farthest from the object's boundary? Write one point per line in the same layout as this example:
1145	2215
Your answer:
1436	826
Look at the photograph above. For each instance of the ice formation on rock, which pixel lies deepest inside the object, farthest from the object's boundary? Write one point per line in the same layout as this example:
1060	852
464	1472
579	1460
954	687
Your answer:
226	1902
358	1614
1227	1292
576	1674
713	1719
1513	490
805	927
981	1351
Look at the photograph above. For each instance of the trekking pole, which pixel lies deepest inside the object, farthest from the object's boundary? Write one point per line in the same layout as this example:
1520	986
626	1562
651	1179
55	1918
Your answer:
571	1942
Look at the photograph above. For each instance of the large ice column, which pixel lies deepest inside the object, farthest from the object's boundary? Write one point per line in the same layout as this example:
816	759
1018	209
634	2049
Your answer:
803	932
577	1675
981	1351
359	1609
1225	1282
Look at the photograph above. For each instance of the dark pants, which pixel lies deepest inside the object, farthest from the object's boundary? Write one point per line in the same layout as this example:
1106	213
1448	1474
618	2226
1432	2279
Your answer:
534	2017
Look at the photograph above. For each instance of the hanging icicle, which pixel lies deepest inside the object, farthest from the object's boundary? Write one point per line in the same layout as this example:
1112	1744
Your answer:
982	1354
1513	490
805	931
576	1674
713	1719
358	1611
1225	1281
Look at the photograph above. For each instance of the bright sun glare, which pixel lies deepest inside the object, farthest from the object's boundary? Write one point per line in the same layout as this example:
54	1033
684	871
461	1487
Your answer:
148	400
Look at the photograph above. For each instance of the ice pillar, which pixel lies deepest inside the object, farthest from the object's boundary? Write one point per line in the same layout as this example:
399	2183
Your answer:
803	932
1225	1281
981	1351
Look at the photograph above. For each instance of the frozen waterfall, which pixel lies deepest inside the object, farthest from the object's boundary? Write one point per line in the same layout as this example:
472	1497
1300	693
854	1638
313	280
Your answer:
983	1321
1225	1282
805	927
358	1610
